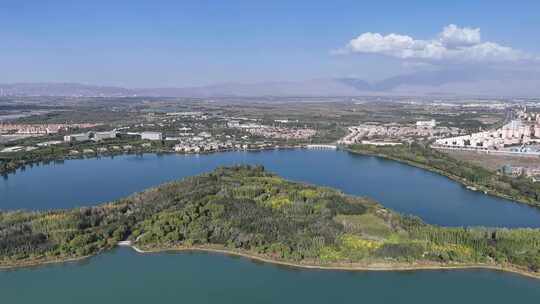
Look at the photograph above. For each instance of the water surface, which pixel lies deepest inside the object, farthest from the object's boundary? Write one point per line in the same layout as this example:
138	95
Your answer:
410	190
123	276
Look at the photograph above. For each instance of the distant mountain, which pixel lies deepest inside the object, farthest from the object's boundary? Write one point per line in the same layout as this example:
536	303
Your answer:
313	87
356	83
62	89
464	82
485	81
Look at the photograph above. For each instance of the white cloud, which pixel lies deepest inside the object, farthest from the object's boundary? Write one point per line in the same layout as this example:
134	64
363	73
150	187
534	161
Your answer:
453	36
453	44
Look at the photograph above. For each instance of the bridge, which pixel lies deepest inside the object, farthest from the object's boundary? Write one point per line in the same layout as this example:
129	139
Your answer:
322	147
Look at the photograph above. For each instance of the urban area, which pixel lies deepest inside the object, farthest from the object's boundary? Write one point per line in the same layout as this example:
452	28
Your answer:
504	135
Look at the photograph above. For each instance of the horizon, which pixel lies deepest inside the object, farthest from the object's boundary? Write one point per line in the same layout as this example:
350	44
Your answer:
192	44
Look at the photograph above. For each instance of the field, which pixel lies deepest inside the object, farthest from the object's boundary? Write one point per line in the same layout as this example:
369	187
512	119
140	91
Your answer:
494	162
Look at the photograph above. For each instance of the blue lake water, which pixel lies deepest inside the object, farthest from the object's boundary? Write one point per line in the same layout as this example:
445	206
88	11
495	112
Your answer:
123	276
434	198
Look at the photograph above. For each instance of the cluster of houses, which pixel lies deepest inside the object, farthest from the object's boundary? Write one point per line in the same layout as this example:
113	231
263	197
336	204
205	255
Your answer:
204	142
220	146
282	133
40	129
517	132
514	171
394	131
125	148
98	136
205	147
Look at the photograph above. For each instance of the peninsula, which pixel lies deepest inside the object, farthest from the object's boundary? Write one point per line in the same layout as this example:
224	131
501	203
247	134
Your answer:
248	211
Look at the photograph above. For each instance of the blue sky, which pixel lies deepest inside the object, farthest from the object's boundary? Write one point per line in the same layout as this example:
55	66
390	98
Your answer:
182	43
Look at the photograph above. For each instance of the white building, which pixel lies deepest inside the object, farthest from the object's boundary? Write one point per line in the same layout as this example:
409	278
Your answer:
513	133
233	124
48	143
152	135
426	123
205	134
104	135
77	137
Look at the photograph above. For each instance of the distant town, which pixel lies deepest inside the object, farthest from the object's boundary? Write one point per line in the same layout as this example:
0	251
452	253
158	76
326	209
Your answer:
236	133
476	129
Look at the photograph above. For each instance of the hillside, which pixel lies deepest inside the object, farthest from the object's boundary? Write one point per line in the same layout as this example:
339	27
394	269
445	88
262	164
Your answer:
250	211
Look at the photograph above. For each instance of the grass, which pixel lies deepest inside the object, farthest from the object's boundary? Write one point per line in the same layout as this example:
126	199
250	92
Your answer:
367	225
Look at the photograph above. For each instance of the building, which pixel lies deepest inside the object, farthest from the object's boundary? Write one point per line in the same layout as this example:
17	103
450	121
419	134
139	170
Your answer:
187	148
233	124
48	143
516	132
426	123
12	149
152	135
512	170
205	135
517	171
104	135
516	129
77	137
380	143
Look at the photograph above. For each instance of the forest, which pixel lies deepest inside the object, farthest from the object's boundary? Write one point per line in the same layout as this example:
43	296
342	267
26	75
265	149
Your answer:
247	209
520	189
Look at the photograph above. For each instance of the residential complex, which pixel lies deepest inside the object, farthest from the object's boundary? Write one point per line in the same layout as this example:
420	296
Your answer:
517	132
40	129
397	132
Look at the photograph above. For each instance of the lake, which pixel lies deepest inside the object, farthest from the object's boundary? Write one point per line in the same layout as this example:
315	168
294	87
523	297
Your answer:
123	276
434	198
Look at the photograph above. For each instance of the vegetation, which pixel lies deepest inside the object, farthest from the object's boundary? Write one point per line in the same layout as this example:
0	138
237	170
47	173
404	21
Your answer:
520	189
249	210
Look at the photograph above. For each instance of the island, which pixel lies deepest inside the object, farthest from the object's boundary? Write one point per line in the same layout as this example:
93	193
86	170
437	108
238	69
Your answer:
248	211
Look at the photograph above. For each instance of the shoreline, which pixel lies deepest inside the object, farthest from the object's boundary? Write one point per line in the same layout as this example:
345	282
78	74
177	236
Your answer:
40	263
347	266
468	185
96	155
396	266
373	267
461	181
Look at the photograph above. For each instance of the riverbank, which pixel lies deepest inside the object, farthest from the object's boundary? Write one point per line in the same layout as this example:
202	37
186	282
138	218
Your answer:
44	262
11	168
464	182
377	266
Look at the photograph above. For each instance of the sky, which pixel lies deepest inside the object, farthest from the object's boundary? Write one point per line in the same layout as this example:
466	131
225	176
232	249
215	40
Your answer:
196	42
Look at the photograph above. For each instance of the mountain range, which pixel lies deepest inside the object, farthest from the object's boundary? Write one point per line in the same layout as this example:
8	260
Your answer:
471	82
